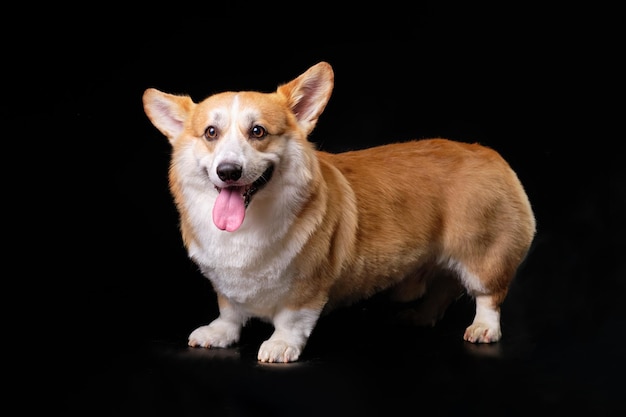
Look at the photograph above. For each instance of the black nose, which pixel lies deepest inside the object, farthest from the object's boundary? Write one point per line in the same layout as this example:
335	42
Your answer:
228	171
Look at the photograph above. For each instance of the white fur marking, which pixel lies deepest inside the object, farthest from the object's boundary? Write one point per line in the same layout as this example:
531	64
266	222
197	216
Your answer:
486	325
469	280
292	330
222	332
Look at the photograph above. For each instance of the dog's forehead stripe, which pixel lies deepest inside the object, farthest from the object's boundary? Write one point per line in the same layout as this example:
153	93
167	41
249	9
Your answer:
239	111
234	107
221	110
242	110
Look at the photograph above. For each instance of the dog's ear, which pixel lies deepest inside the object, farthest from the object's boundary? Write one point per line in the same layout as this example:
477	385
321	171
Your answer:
167	112
308	94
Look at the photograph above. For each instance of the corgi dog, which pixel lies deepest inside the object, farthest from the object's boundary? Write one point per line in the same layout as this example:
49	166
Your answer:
286	232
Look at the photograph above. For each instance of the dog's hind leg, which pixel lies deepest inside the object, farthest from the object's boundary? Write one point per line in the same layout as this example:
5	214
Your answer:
489	288
429	294
486	325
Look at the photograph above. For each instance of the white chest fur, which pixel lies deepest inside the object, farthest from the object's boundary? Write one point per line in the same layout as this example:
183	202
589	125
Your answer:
252	266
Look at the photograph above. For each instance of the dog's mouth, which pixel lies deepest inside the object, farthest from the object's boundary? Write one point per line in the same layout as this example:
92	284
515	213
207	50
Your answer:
230	206
257	185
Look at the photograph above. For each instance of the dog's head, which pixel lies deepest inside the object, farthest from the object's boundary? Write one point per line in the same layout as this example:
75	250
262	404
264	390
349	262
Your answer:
234	143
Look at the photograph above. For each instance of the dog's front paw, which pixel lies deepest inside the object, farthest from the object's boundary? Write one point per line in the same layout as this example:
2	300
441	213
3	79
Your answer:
278	351
216	334
482	333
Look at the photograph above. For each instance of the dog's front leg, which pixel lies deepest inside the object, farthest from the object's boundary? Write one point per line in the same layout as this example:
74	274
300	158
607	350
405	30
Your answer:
292	329
221	332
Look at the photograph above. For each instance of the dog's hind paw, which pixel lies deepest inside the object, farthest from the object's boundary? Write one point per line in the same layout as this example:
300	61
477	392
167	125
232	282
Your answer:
482	333
278	351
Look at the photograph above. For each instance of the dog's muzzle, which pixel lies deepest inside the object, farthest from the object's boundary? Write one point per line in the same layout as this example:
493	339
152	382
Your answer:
258	184
229	209
231	172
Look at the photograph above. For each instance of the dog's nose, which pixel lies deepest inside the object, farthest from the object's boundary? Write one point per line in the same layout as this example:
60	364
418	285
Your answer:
229	171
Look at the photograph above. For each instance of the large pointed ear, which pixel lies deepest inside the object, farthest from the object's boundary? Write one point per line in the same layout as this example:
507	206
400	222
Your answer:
167	112
308	94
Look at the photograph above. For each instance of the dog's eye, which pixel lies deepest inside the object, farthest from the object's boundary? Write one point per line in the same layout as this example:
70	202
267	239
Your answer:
210	133
258	132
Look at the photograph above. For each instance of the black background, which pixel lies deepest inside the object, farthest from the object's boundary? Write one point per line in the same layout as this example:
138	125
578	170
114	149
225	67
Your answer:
115	296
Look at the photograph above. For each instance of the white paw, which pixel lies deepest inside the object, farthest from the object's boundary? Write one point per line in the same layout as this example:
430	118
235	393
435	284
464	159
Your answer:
278	351
482	333
216	334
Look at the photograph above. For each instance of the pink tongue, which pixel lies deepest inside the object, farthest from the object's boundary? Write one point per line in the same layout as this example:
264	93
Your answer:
229	210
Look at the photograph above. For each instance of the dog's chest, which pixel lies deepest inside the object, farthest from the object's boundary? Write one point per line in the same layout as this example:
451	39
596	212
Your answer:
253	266
255	276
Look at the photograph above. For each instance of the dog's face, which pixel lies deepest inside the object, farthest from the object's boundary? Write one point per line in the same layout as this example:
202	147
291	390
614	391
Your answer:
232	145
236	140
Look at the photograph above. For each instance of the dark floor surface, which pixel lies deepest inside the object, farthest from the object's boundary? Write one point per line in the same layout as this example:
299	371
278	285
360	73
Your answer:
357	365
123	297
